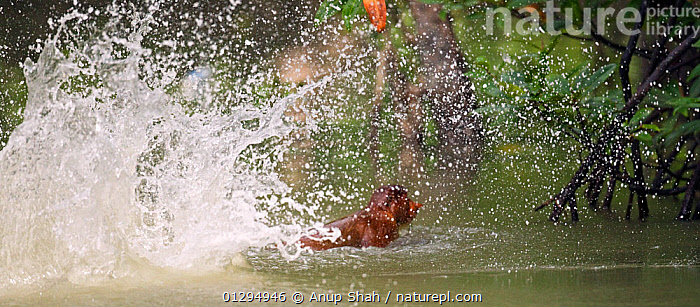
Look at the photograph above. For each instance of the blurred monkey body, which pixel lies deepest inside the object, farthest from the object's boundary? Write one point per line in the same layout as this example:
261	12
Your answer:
376	225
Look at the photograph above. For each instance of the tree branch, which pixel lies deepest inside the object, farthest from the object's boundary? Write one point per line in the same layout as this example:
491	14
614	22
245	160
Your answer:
629	52
655	76
627	90
611	132
639	180
661	48
689	195
643	53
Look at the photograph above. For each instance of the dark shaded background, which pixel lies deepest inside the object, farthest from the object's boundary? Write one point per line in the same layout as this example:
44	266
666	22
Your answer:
23	22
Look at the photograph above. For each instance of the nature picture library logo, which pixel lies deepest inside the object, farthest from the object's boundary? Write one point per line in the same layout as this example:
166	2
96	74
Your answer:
593	20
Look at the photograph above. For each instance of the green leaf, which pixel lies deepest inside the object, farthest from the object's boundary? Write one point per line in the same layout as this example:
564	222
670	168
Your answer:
514	84
327	9
500	108
684	129
486	83
644	138
558	84
690	127
695	73
577	17
577	70
634	4
639	116
683	104
475	15
616	96
588	84
514	4
550	46
598	105
651	127
558	24
499	113
454	6
351	8
598	3
436	1
481	60
443	14
695	88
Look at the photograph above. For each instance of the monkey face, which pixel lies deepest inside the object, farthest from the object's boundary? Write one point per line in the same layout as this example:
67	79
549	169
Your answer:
394	200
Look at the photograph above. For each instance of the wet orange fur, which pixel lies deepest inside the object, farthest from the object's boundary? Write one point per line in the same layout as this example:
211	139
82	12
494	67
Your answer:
376	225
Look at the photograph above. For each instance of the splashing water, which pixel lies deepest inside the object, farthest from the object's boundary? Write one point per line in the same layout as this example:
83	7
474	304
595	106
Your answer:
97	180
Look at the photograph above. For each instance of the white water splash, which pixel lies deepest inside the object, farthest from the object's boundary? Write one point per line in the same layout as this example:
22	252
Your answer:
95	181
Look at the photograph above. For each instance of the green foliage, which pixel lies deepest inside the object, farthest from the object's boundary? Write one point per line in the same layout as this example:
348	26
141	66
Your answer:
514	4
453	5
13	97
694	80
565	101
327	9
682	105
579	101
528	92
408	58
349	9
667	132
577	11
81	84
683	121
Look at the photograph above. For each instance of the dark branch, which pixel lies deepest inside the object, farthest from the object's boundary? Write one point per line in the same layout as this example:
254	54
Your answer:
627	89
612	132
650	81
639	180
643	53
629	52
661	48
689	195
545	204
689	63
